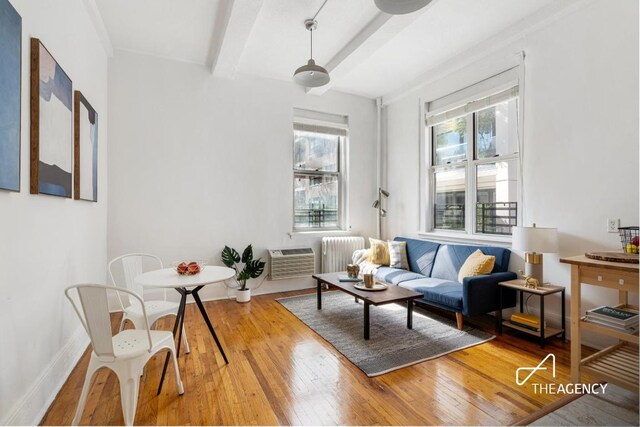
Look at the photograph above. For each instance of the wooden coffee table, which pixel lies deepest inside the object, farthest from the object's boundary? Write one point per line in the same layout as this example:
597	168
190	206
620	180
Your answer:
392	294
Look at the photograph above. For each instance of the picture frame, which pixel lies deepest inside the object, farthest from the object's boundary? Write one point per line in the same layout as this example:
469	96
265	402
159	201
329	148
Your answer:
51	125
85	151
10	96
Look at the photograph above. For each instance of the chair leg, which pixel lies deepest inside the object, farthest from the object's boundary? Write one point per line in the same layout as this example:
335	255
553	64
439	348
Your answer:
459	320
184	338
175	367
91	369
129	387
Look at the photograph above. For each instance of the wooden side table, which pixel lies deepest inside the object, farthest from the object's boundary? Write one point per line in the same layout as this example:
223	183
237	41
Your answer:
542	291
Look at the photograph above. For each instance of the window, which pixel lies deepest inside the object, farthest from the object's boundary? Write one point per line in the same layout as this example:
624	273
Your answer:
473	168
317	176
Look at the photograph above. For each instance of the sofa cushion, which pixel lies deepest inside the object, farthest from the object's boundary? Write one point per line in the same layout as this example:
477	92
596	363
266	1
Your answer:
398	255
379	252
396	275
444	293
421	254
476	264
450	258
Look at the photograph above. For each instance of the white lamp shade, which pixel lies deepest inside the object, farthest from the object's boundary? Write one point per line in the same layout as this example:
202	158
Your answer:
400	7
535	239
311	75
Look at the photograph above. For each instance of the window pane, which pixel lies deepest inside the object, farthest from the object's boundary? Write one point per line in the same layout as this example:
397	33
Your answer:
496	130
450	141
497	189
315	201
315	151
449	199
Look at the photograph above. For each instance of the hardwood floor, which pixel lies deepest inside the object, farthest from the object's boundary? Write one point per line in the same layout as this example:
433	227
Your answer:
281	372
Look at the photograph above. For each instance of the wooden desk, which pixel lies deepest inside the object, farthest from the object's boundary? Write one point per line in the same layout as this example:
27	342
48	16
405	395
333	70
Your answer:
617	364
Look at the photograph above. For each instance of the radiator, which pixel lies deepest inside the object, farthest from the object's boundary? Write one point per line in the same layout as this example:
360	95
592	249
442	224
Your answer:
337	251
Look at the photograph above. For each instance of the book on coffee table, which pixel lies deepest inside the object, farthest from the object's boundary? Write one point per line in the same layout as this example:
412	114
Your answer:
345	278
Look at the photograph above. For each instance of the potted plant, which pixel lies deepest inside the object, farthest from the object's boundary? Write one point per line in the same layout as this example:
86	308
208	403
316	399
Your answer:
246	268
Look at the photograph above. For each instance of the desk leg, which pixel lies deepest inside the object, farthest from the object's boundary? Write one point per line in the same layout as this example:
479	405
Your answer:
541	321
564	323
207	321
575	324
179	319
366	320
319	294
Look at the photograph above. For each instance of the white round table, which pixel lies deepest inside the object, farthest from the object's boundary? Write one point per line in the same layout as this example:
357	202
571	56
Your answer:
186	285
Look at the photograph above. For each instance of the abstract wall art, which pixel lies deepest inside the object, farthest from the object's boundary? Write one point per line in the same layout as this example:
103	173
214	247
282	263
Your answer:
85	173
51	125
10	70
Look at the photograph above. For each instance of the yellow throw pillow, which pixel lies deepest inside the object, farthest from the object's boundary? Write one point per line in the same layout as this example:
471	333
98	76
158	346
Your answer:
476	264
379	252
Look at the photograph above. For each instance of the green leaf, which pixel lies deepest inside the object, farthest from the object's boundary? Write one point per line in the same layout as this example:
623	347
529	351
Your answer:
230	256
255	268
247	255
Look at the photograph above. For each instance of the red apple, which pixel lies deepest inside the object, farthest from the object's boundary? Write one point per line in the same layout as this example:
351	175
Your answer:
635	241
182	268
193	268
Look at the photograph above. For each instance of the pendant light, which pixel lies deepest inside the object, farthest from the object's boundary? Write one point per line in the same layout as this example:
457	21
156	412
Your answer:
311	74
400	7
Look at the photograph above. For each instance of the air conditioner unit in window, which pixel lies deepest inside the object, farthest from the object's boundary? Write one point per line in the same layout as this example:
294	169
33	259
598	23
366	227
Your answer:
289	263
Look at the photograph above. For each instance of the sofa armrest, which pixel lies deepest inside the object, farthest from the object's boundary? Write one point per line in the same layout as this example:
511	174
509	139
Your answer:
481	294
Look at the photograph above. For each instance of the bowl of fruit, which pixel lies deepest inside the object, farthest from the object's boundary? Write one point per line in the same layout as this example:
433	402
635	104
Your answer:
185	268
629	239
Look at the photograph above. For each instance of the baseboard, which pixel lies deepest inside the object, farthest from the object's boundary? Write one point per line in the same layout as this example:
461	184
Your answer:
31	408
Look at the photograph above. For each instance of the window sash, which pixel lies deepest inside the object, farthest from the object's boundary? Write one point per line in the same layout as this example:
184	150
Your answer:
469	164
328	129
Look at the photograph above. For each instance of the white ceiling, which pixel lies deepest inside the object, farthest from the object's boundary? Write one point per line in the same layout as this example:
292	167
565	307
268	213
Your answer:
367	52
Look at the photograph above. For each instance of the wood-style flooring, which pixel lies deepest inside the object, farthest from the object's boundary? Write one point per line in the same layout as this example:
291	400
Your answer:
281	372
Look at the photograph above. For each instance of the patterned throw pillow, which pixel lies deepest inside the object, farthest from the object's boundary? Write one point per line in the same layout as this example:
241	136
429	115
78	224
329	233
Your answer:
379	252
476	264
398	255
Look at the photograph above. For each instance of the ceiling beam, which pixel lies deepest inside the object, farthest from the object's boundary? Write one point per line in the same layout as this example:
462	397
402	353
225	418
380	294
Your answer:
382	28
235	20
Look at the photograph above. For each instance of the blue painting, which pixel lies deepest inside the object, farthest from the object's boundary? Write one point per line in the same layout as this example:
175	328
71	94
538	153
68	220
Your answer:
10	65
54	119
86	150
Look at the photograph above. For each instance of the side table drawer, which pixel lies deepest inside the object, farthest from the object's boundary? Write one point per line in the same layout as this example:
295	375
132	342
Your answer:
620	280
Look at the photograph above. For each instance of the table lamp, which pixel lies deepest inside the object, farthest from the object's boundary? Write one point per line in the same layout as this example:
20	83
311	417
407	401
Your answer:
534	241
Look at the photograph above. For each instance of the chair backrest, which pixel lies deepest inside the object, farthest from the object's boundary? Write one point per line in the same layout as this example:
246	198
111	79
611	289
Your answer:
132	265
93	311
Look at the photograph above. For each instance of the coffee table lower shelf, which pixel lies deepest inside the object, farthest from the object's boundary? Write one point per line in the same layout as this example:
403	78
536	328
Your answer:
617	364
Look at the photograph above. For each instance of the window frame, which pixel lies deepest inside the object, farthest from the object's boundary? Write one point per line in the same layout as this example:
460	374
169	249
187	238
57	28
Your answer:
470	163
341	174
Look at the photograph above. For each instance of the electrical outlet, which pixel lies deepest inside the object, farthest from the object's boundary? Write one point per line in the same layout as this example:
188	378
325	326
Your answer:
612	225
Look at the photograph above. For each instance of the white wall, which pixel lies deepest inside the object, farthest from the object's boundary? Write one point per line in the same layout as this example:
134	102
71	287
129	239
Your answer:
49	243
197	162
580	135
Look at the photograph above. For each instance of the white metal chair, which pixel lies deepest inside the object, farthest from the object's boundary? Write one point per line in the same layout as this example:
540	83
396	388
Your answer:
125	353
133	265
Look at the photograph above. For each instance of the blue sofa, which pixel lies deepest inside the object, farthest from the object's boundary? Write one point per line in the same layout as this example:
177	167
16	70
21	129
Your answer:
434	271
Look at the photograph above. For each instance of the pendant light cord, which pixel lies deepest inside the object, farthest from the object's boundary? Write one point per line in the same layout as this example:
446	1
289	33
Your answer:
311	30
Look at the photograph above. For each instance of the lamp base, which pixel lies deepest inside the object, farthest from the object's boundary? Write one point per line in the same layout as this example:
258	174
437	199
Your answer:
534	270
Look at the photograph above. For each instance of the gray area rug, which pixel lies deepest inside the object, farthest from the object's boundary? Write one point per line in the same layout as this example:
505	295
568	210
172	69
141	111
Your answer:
616	407
392	346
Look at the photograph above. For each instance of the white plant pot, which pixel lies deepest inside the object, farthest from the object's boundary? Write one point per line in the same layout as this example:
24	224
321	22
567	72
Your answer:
243	296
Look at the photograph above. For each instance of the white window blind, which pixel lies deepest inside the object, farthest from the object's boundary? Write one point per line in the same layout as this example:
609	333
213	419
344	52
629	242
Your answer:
472	106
